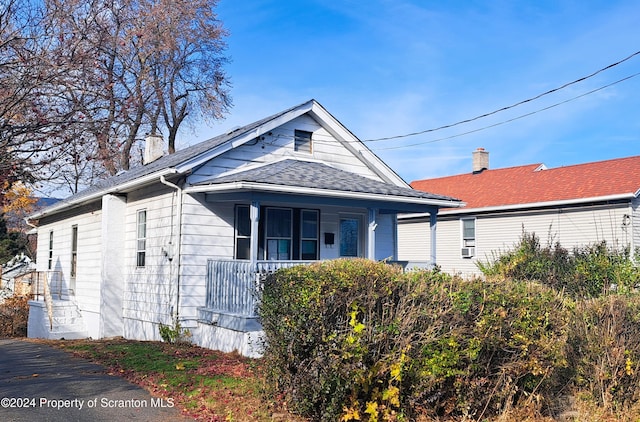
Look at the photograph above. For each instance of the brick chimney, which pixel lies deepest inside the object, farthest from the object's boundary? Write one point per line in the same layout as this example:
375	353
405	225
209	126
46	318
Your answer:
480	160
153	148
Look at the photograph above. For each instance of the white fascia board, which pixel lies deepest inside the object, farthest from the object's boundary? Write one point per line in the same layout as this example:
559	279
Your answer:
517	207
243	138
356	146
66	204
295	190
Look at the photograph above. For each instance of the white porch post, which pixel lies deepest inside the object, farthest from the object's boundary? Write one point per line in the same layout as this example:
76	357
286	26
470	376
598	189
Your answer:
433	220
254	214
371	234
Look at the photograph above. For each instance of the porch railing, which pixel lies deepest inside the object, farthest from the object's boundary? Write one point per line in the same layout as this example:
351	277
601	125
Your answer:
233	285
47	285
47	282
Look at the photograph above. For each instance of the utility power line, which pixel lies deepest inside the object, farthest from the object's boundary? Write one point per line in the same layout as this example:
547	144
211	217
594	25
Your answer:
506	121
511	106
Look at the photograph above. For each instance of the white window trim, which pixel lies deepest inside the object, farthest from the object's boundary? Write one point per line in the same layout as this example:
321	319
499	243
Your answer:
138	238
468	247
310	143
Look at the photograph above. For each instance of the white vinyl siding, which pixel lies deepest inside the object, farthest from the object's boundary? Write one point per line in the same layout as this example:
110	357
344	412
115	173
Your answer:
149	294
88	259
302	141
278	144
497	233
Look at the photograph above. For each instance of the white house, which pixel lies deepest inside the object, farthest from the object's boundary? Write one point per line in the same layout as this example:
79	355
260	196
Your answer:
576	205
185	236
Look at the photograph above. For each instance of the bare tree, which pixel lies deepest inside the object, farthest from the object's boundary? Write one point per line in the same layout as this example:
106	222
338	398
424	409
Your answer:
23	120
131	62
82	82
187	70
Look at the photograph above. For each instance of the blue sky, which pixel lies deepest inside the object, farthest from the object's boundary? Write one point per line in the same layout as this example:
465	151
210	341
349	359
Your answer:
392	67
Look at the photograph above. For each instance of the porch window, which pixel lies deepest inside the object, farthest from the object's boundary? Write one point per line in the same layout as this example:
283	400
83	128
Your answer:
309	234
302	141
74	251
141	238
243	232
50	260
284	233
468	237
278	234
350	233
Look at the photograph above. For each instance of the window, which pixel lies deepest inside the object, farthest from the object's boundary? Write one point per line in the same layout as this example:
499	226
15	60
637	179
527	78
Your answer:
350	236
50	260
74	250
302	141
243	232
278	233
283	233
309	233
141	238
468	237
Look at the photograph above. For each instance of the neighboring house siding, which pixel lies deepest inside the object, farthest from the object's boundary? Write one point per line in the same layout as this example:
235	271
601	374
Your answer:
500	232
413	241
149	296
279	145
635	224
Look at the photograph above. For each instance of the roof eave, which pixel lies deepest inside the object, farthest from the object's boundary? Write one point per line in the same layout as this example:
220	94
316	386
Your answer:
125	187
518	207
296	190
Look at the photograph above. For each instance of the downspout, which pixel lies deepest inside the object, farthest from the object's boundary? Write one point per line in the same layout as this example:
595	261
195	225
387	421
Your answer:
176	250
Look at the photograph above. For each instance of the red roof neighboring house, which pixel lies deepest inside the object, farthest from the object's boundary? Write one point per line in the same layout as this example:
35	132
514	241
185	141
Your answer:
536	184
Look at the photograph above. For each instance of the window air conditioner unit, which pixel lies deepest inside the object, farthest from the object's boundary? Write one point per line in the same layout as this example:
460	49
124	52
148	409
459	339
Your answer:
468	252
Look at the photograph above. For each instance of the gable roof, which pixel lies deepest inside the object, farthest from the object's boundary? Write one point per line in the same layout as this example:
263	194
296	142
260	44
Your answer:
186	160
308	177
535	185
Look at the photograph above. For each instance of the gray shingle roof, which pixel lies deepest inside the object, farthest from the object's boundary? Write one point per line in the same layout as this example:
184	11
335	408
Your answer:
315	175
168	161
292	173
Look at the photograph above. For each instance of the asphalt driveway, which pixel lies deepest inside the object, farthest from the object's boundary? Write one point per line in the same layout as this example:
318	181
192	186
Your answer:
40	383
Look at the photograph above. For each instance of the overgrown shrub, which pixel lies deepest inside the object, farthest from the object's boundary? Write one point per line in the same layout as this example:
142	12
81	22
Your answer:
605	338
600	270
529	260
358	340
14	313
499	344
586	272
337	334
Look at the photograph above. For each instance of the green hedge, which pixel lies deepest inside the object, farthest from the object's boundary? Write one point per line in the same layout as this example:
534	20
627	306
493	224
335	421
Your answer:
359	340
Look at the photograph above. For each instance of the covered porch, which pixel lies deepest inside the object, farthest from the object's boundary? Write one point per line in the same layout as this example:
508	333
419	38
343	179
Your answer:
291	213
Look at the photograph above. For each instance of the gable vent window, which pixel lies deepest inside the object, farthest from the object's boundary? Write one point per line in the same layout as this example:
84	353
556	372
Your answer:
468	237
302	141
